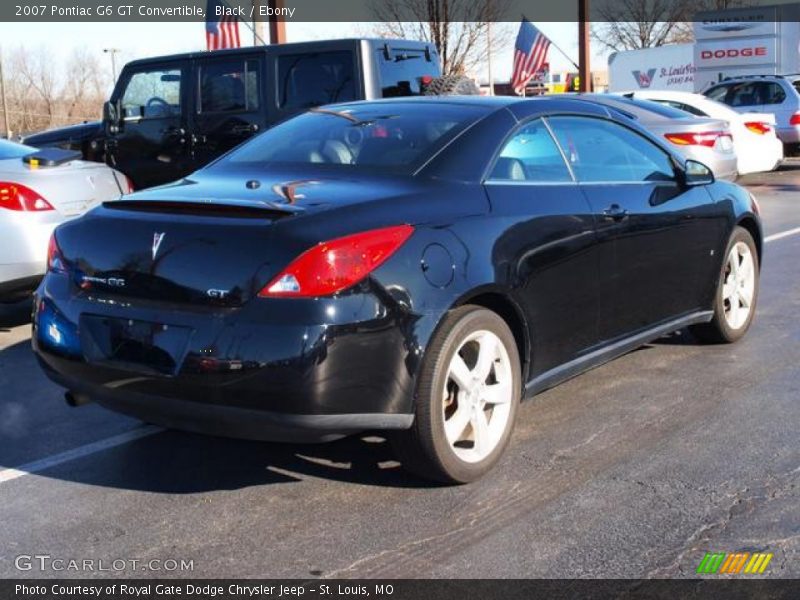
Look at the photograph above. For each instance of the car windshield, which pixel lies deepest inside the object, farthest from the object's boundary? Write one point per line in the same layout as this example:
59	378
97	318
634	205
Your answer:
13	150
397	137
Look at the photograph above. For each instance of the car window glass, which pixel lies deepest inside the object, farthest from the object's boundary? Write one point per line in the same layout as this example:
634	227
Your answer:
307	80
394	137
771	93
601	150
649	106
718	93
230	86
153	94
691	110
531	155
402	72
743	94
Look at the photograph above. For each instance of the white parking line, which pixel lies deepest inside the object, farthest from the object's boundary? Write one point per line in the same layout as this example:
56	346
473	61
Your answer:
79	452
782	234
141	432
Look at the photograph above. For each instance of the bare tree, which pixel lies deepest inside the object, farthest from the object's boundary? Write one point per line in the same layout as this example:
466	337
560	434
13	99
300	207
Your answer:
634	24
456	28
45	91
83	84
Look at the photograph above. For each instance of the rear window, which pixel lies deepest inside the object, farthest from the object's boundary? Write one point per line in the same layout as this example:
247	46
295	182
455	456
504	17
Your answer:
717	93
402	72
12	150
306	80
390	136
660	109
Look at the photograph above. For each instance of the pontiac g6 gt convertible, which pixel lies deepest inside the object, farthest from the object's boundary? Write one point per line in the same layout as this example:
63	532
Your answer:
415	266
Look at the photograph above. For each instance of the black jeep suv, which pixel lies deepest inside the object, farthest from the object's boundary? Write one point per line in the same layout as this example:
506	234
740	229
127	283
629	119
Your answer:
168	116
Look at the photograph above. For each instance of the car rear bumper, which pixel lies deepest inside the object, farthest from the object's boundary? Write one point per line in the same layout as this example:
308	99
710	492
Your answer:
228	421
789	135
241	373
23	252
766	155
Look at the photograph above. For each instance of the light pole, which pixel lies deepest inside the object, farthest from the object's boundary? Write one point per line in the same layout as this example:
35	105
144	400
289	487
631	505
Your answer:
3	94
112	52
584	70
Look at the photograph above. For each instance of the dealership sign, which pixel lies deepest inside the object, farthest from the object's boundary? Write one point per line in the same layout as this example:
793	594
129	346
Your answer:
667	77
735	53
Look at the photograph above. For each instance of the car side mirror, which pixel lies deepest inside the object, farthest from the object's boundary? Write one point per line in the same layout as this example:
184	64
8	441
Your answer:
696	173
111	115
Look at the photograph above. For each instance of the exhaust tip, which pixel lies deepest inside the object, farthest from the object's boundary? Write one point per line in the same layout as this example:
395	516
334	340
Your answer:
75	399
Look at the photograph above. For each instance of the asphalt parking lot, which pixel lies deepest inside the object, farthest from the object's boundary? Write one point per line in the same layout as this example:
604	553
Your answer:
635	469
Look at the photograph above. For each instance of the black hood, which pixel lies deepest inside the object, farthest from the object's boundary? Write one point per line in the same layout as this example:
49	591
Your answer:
71	134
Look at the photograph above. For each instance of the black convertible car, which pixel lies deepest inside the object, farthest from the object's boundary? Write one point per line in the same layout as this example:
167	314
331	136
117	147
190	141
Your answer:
416	266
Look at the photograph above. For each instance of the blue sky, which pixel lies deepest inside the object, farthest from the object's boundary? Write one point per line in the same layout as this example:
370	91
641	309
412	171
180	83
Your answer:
138	40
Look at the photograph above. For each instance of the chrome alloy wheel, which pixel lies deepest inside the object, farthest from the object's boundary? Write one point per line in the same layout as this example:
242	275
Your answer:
739	285
477	396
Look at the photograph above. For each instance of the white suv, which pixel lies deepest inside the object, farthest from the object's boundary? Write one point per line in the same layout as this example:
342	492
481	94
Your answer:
775	94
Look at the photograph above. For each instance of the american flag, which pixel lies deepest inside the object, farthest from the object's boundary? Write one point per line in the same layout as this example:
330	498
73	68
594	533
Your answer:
530	54
221	31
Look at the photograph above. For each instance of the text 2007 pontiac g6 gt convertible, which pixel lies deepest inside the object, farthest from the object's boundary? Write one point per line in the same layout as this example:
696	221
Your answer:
413	265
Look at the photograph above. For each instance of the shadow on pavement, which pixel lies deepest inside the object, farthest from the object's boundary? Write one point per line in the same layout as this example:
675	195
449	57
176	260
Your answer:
174	462
13	315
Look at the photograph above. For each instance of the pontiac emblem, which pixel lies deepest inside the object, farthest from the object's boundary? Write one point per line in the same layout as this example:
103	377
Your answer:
157	239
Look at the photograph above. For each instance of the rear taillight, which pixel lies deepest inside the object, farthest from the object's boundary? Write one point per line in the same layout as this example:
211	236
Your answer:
15	196
794	119
706	138
55	260
129	184
758	127
333	266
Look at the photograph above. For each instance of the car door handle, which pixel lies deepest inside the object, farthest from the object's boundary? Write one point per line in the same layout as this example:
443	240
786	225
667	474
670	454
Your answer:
172	133
244	129
615	213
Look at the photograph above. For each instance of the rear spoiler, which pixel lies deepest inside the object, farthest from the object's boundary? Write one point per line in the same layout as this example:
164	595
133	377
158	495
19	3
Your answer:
231	209
50	157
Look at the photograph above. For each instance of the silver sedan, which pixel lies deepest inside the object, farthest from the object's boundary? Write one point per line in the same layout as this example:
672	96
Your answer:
705	140
39	190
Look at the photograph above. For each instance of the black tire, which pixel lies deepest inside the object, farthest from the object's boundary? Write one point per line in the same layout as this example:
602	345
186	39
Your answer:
452	85
718	330
424	449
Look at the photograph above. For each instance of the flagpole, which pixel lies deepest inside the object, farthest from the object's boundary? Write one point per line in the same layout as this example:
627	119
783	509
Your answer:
258	26
552	43
256	36
557	47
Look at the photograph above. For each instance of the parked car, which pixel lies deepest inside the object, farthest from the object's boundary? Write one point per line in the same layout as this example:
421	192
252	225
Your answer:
39	190
170	115
708	141
755	142
408	265
774	94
